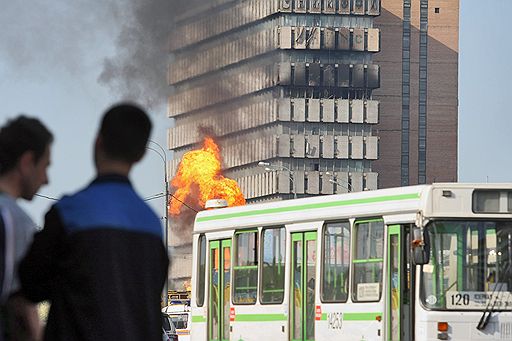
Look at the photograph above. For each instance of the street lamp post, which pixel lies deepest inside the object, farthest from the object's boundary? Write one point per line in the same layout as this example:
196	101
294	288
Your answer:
269	167
348	186
161	152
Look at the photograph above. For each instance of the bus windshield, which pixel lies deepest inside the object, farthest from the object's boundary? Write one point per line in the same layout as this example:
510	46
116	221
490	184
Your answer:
470	266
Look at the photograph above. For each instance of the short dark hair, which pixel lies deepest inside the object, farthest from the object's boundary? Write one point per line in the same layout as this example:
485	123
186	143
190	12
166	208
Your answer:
125	131
19	135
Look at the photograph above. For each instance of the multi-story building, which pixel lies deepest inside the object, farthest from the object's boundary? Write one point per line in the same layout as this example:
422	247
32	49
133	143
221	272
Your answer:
336	95
418	96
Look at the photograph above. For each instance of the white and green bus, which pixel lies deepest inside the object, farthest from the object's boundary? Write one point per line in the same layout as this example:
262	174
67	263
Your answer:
428	262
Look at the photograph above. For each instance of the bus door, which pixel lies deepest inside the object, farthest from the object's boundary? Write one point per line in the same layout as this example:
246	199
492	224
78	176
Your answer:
399	300
219	276
303	282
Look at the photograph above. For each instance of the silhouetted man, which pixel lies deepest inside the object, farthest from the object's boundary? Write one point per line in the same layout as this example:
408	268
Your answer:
100	258
24	158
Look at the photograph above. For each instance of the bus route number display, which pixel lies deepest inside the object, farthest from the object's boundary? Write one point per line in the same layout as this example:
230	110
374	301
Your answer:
479	300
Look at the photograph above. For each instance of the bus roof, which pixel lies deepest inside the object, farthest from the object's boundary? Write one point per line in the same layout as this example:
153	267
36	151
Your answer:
400	200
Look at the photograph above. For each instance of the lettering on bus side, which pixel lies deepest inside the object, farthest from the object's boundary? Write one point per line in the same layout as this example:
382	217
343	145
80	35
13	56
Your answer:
334	320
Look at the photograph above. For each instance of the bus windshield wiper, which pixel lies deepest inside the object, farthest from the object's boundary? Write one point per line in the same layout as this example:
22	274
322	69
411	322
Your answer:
486	316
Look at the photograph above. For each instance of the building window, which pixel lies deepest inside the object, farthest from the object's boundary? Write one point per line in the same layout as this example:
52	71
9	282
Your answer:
422	95
406	80
436	9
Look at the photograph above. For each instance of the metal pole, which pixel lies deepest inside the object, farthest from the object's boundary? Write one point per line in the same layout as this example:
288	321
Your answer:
294	191
348	186
292	177
293	183
166	285
268	167
163	156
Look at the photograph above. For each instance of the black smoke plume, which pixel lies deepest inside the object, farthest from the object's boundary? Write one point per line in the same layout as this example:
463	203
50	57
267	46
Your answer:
138	68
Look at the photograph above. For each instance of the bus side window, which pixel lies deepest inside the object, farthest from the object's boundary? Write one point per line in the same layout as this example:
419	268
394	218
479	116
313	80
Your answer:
245	268
368	260
273	265
201	270
336	261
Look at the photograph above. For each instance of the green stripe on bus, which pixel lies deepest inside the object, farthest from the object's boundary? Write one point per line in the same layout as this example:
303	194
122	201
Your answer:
355	316
196	319
282	317
360	316
312	206
260	317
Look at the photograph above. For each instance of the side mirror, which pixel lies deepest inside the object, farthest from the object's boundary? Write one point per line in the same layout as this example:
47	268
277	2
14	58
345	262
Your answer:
420	246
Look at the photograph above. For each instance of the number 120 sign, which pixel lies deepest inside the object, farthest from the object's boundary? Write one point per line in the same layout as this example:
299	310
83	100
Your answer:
479	300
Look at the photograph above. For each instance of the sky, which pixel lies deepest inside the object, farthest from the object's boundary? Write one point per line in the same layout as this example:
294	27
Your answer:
66	62
62	61
485	89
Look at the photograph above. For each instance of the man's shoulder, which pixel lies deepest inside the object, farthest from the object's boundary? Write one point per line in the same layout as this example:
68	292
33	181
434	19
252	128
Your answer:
9	206
104	194
108	205
7	201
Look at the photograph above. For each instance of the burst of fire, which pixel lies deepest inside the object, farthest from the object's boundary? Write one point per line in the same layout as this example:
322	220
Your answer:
200	170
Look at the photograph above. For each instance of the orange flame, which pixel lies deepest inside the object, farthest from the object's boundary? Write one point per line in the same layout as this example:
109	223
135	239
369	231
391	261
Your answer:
202	168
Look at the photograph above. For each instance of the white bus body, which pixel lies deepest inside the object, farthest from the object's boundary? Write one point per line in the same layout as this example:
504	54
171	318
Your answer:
340	267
